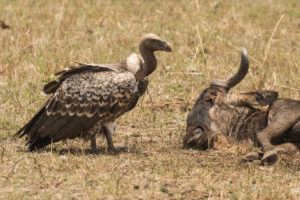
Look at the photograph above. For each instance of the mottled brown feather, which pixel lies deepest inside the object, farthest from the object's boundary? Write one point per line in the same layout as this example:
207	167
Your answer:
64	74
80	102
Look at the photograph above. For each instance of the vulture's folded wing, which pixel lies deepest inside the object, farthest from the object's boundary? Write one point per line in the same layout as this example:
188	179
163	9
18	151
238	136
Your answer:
78	104
66	73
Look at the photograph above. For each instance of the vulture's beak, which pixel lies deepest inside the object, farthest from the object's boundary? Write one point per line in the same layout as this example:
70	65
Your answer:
166	46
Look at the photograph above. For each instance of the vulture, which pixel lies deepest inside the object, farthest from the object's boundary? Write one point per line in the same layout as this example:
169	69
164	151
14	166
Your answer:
87	98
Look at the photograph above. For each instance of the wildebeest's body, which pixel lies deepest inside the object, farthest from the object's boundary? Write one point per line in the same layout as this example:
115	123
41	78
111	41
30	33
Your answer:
218	112
237	122
212	114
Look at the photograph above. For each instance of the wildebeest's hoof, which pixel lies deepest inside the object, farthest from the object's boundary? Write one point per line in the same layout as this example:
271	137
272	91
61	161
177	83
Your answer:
256	162
270	157
250	157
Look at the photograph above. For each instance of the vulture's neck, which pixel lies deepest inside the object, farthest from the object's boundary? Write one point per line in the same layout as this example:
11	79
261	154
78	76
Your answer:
149	64
142	66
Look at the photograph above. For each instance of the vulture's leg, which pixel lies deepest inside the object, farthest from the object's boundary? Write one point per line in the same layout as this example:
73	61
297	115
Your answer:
109	129
93	143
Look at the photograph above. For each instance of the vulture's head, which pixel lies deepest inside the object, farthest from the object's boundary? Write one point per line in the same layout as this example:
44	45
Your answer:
144	65
152	42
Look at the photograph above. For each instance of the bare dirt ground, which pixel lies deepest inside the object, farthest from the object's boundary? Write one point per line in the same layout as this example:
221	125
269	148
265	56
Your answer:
46	36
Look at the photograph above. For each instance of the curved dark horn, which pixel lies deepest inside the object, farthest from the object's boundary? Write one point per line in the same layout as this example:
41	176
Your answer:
235	79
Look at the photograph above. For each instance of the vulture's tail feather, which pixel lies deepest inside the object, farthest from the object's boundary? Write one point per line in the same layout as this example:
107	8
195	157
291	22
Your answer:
34	141
38	143
28	127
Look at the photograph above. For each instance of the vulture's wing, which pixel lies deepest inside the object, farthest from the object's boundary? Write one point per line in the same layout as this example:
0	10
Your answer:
66	73
78	104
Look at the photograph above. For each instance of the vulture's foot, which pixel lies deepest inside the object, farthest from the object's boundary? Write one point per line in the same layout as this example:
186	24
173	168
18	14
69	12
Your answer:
94	151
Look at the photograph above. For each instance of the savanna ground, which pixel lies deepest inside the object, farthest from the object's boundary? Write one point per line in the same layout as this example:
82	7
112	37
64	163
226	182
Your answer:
46	36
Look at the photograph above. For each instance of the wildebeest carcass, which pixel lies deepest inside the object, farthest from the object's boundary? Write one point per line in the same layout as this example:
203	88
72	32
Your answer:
233	115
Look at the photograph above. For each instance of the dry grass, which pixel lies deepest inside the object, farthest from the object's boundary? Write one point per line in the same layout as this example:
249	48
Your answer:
46	36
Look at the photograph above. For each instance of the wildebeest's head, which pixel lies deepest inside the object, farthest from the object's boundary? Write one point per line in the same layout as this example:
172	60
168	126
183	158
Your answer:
198	132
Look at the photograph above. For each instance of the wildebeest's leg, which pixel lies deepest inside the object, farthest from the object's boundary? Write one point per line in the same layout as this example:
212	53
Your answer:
109	129
261	98
284	115
271	156
294	134
287	147
273	130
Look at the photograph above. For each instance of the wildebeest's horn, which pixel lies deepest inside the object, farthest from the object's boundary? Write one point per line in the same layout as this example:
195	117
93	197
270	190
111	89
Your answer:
235	79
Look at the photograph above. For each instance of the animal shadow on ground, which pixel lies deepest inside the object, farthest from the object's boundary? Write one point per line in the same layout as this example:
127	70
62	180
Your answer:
83	151
98	151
